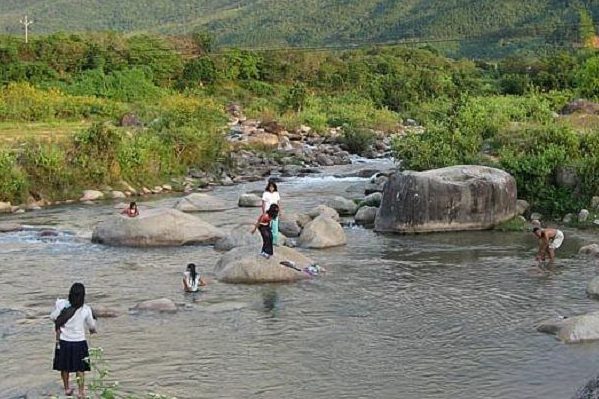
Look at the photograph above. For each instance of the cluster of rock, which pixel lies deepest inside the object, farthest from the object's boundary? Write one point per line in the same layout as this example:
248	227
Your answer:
302	146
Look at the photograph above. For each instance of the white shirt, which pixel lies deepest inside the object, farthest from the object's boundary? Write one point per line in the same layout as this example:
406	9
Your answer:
270	198
74	329
193	285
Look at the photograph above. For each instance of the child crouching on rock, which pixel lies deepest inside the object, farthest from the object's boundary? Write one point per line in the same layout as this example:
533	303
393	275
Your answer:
263	225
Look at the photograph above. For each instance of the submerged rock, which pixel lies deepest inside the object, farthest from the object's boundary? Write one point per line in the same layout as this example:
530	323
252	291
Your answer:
244	265
592	250
10	227
162	305
102	311
593	288
156	227
573	330
465	197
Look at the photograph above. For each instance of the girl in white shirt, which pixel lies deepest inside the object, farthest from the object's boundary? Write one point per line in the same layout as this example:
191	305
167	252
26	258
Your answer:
270	197
71	318
192	279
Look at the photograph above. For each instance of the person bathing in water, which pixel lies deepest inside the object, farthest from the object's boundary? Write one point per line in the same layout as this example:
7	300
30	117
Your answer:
131	211
71	318
549	241
269	197
192	280
264	226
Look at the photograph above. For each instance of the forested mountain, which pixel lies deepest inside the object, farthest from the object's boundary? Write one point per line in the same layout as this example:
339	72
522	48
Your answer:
466	26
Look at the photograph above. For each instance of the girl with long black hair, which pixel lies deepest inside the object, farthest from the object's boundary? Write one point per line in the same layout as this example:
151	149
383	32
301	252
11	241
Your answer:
71	318
192	280
264	226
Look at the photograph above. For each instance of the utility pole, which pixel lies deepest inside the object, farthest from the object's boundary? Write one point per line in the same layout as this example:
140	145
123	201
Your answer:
25	22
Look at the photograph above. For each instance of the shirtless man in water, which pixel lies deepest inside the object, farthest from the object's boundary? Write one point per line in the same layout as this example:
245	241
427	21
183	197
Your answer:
549	241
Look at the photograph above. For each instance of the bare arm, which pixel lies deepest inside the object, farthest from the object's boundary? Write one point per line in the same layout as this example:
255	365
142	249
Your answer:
543	245
202	282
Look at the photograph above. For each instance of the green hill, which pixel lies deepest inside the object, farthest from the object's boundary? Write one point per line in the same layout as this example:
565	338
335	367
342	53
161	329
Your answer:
467	27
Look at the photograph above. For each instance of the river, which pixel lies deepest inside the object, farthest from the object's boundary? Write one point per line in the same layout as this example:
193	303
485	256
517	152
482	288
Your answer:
429	316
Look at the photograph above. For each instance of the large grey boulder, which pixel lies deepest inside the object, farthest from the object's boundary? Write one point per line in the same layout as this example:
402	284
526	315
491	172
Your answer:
155	227
593	288
239	236
343	206
91	195
466	197
244	265
366	215
200	202
573	330
322	232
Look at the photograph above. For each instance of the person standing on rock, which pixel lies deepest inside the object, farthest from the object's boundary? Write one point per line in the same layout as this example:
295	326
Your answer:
70	321
270	197
264	225
549	241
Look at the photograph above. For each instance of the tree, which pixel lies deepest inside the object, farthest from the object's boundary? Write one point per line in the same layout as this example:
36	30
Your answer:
204	40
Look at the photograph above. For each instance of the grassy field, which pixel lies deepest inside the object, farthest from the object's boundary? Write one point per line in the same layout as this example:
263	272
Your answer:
20	131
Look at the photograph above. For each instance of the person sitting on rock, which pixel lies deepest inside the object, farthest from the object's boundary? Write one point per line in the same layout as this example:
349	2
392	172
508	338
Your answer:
192	279
131	211
263	224
549	241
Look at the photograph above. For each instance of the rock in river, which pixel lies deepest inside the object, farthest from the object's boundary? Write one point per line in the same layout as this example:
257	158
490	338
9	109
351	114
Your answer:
322	232
573	329
157	305
244	265
156	227
466	197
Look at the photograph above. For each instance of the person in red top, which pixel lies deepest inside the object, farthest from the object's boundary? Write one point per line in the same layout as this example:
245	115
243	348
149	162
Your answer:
263	225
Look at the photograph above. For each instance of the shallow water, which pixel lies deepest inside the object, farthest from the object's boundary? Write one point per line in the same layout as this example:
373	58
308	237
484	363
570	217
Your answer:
428	316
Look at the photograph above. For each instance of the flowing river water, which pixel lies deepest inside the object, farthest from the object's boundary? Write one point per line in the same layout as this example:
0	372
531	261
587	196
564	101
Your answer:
429	316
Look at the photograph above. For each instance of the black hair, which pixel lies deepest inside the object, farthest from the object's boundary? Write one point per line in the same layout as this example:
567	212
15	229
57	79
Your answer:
273	211
76	300
535	229
191	267
273	184
132	204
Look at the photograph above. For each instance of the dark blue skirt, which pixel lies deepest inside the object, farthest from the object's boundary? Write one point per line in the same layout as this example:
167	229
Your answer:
71	356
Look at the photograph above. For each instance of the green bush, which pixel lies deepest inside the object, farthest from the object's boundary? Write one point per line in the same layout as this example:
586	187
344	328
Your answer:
13	181
357	140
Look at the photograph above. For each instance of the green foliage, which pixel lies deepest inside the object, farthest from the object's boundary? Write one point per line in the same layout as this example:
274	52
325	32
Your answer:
13	182
587	78
357	140
204	40
129	85
197	72
23	102
515	224
296	97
